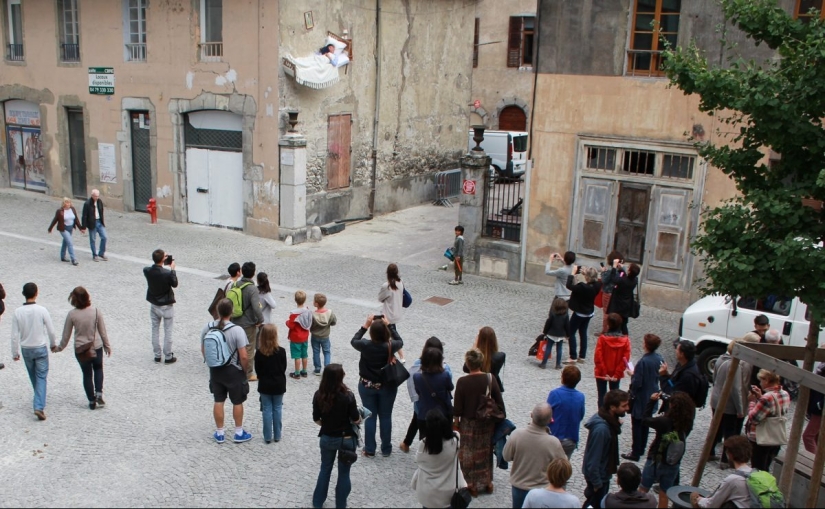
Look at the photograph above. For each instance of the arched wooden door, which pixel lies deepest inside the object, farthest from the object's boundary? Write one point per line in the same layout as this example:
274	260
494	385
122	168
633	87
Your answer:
512	118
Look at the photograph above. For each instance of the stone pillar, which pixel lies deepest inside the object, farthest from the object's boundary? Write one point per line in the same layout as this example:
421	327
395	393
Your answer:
474	167
293	199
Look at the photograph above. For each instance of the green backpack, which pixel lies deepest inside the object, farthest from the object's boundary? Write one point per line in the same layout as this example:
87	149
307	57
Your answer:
763	489
671	449
235	294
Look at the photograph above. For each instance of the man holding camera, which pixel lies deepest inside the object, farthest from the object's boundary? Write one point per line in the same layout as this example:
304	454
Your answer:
160	295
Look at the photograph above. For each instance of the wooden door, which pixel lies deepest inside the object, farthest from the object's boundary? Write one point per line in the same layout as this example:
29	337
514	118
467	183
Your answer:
141	159
512	118
77	153
338	151
631	221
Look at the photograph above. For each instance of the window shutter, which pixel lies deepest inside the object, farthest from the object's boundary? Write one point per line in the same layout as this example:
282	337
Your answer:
514	42
595	203
475	45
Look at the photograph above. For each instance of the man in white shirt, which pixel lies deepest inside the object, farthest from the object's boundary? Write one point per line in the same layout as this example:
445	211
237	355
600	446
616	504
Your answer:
734	488
30	326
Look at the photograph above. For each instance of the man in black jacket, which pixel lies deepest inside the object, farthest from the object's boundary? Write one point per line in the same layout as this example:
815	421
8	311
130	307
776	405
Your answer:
161	296
685	377
92	219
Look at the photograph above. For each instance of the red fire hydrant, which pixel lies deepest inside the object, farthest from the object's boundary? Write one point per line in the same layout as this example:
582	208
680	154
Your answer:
152	209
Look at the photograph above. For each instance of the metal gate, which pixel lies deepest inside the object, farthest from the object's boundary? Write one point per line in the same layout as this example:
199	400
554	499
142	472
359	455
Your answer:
503	204
141	159
77	152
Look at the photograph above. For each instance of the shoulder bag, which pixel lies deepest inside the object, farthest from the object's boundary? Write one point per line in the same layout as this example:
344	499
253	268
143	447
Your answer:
461	496
488	409
394	373
213	307
636	305
772	430
87	352
347	456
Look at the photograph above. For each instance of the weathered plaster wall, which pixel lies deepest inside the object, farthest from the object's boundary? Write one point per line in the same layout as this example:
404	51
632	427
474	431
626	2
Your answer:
494	84
425	68
172	71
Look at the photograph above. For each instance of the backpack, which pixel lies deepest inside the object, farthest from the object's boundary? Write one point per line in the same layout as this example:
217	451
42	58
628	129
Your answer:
701	396
235	294
216	352
671	448
763	489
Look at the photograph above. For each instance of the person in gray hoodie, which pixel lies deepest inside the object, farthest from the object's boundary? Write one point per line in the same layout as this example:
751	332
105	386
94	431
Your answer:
629	477
252	317
601	454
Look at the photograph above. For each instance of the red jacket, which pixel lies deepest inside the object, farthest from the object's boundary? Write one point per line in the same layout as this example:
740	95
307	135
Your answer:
612	355
298	333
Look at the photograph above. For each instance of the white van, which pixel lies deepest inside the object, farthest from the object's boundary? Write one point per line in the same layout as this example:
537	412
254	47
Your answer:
507	149
711	322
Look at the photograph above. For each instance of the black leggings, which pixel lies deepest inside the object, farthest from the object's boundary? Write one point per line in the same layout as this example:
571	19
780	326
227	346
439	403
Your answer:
415	426
93	375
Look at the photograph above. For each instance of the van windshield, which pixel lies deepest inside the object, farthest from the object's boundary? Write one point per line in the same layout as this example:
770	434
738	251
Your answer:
520	143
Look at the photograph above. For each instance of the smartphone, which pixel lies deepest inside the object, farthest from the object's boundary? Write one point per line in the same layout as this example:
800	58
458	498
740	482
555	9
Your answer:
601	264
579	269
378	317
168	260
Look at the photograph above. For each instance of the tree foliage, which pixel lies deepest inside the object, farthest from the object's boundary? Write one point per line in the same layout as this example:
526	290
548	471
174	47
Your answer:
764	241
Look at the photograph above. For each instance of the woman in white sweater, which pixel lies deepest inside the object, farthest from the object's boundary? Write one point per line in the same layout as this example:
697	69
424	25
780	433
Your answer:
438	473
391	296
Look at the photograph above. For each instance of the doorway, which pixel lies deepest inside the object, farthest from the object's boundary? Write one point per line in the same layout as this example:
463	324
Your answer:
631	221
141	158
338	151
77	152
512	118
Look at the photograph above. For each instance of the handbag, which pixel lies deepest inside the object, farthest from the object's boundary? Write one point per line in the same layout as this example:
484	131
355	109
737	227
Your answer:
598	301
488	409
394	373
213	308
347	457
772	430
542	350
636	305
406	299
87	352
449	254
534	350
461	496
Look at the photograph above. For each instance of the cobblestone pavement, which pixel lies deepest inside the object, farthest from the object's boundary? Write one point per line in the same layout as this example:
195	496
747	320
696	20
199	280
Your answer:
152	445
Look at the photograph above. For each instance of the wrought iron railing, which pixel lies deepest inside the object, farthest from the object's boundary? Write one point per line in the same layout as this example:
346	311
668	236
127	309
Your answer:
503	207
70	52
136	52
211	51
644	63
15	52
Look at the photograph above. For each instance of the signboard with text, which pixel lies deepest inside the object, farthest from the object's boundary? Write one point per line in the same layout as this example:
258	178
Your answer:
101	80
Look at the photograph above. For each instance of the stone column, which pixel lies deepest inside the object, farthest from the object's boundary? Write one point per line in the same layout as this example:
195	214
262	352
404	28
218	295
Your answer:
293	163
474	167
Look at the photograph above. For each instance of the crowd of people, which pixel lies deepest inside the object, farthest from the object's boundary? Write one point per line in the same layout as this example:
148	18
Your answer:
462	426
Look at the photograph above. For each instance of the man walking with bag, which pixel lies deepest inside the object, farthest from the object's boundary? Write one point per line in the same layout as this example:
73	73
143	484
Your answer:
93	221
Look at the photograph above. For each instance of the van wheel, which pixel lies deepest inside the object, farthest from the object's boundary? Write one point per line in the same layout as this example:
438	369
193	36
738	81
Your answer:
707	360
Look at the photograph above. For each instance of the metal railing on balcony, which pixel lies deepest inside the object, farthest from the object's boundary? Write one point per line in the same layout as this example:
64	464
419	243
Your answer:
15	52
644	63
211	51
70	52
136	52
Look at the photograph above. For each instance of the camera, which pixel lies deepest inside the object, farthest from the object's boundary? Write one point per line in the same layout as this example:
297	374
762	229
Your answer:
168	260
664	396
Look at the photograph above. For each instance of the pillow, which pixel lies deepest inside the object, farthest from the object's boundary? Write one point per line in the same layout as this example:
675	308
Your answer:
339	46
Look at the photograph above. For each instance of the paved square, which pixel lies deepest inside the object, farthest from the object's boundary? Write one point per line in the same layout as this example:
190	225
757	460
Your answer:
152	445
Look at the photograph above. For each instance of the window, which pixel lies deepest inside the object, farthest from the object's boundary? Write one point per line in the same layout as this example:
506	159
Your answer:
771	304
68	30
653	21
601	158
640	162
475	44
134	30
211	19
14	36
803	8
520	41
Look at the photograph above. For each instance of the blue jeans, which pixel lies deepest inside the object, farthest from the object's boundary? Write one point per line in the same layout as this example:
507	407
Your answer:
93	233
380	403
662	473
578	324
37	364
329	451
548	350
67	244
318	344
272	406
518	497
601	388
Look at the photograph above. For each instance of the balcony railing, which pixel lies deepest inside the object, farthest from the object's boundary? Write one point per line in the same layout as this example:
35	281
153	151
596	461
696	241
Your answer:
16	52
70	52
136	52
211	51
644	63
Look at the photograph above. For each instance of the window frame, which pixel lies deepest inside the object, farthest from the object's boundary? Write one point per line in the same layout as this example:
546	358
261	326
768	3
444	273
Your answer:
209	50
515	55
619	152
804	16
654	67
7	19
136	54
475	42
68	37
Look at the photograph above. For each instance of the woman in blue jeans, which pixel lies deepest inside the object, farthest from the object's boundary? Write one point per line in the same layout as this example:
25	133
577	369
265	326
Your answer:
379	398
582	297
66	219
334	409
270	367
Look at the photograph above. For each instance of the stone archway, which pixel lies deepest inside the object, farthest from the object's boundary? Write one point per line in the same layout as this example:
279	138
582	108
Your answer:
481	112
506	102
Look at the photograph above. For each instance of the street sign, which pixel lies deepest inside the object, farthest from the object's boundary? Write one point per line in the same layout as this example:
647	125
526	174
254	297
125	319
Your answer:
101	80
469	187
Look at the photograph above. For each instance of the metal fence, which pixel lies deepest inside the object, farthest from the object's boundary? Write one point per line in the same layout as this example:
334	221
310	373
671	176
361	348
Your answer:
70	52
503	206
447	185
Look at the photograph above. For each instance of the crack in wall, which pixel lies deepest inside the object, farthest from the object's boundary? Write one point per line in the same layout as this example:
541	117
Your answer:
405	62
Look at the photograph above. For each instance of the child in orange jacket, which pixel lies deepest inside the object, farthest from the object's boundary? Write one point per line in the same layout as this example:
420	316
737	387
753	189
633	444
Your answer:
612	356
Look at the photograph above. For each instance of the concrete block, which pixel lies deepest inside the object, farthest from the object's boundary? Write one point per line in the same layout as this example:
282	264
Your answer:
222	102
315	234
293	207
493	267
331	228
236	103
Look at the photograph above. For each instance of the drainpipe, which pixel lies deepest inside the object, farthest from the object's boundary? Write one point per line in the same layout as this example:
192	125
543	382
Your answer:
377	105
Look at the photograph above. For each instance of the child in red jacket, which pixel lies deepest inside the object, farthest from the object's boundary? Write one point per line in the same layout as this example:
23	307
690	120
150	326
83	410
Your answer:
299	323
612	356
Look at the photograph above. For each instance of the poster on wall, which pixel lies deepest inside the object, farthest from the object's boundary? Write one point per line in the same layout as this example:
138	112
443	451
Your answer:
25	158
106	163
